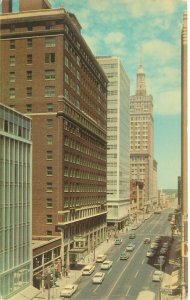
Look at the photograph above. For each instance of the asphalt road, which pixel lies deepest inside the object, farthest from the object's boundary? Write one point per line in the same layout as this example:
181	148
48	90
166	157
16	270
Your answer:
127	278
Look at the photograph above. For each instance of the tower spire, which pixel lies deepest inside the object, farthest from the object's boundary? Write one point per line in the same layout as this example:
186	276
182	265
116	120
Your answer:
141	83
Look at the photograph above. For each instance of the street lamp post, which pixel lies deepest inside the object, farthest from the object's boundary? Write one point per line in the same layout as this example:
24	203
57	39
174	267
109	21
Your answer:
94	249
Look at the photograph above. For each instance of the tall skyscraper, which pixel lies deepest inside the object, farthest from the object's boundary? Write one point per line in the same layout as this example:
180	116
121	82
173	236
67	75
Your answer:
143	165
15	202
184	156
118	141
53	77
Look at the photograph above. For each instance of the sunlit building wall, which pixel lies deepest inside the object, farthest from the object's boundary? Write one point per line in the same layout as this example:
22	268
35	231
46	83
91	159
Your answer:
15	202
118	140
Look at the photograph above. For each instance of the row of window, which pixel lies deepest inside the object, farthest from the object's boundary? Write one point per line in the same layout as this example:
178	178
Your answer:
84	188
49	42
76	173
30	26
84	201
68	141
48	75
83	161
49	58
49	92
29	107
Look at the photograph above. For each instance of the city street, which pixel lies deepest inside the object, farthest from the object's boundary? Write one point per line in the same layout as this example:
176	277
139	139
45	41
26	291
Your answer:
127	278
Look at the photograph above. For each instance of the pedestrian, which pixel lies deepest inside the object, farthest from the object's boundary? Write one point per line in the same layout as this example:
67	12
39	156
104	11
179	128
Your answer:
107	239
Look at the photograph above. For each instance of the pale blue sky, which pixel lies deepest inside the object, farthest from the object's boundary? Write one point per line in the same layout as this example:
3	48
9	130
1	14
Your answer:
122	28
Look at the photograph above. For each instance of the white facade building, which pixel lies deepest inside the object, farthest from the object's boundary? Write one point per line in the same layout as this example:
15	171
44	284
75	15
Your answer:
15	203
118	141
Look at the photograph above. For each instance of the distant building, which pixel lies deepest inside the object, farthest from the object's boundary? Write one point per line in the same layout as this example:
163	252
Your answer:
118	141
16	203
136	195
142	164
179	190
49	73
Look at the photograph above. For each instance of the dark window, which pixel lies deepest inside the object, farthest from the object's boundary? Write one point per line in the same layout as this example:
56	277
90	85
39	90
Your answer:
29	59
29	75
28	107
29	91
29	43
30	27
50	107
49	58
12	44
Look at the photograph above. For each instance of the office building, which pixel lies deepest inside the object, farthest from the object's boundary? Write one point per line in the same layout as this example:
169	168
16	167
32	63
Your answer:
53	77
184	156
118	141
15	204
143	165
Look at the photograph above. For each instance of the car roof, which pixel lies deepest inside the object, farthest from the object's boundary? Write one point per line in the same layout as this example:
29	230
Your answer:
99	274
69	286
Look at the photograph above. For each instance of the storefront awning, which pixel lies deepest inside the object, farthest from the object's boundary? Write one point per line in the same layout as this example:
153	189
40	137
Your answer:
77	250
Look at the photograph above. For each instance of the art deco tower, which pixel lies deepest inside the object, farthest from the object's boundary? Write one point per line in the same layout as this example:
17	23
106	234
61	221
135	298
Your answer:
143	167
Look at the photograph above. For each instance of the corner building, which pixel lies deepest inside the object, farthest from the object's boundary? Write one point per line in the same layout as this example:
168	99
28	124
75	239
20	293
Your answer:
143	167
53	77
118	141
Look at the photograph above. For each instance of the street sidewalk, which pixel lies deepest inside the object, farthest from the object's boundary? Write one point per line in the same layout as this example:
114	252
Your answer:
172	272
74	275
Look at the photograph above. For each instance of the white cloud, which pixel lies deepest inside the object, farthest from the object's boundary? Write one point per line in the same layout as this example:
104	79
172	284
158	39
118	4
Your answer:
160	51
139	8
167	103
114	37
99	5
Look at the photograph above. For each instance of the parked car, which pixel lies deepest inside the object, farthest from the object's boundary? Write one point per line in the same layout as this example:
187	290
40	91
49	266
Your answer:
69	290
124	256
151	253
147	240
157	275
106	265
118	241
154	245
101	258
98	277
87	270
158	239
161	261
163	251
132	235
130	247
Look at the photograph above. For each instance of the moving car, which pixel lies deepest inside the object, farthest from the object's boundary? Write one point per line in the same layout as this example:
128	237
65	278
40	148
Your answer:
157	275
124	256
69	290
130	247
100	258
118	241
98	277
151	253
132	235
106	265
87	270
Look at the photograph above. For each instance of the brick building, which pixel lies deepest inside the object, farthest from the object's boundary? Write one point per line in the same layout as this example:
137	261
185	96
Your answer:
49	73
